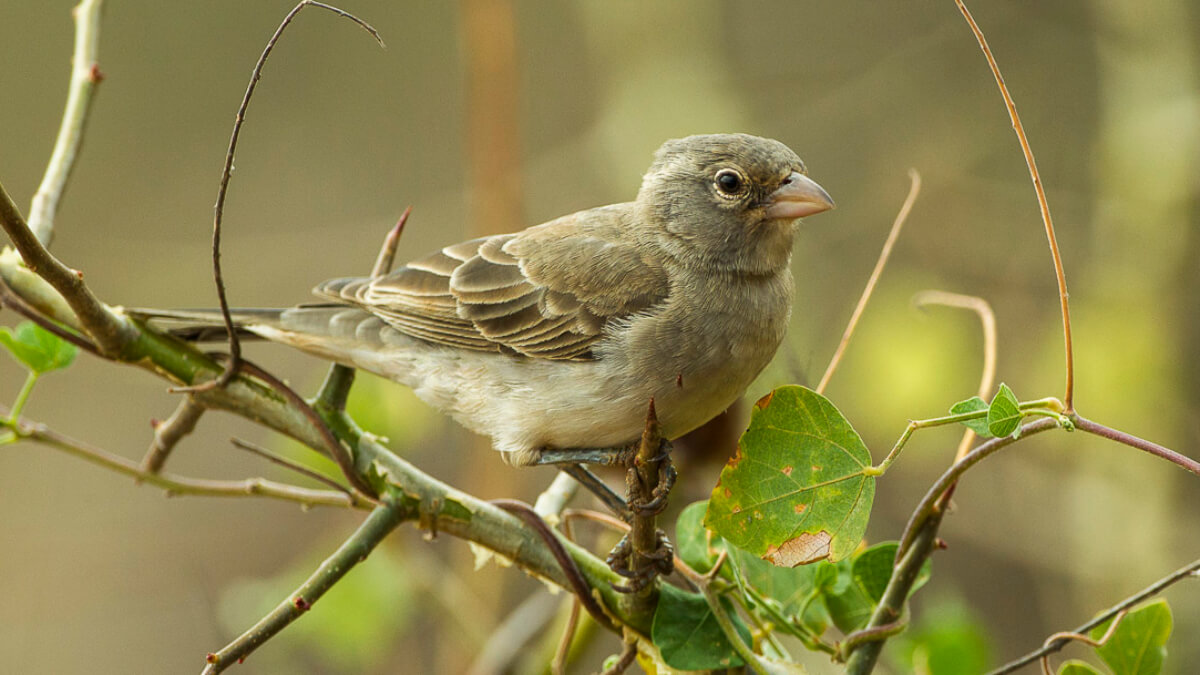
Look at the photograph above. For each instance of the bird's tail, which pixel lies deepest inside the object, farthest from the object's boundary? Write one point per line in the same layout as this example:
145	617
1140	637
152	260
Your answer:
206	325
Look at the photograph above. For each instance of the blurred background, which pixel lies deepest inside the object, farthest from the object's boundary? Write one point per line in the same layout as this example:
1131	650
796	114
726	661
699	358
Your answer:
488	116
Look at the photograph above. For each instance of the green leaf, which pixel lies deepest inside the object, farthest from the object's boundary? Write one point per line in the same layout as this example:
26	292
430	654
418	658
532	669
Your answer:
38	349
694	544
687	633
796	491
973	404
1139	645
1004	414
1076	667
868	572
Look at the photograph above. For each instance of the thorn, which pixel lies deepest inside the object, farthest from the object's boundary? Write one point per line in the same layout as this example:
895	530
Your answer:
95	75
154	423
210	658
301	604
940	544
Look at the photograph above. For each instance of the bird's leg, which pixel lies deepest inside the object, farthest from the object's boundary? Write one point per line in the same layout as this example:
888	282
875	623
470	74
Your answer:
597	487
618	456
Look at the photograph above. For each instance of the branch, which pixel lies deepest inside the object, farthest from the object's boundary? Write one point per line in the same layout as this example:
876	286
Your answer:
1189	570
1043	204
1132	441
169	432
85	75
354	550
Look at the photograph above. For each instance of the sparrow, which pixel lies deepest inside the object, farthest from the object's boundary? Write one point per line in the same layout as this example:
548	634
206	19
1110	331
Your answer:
557	338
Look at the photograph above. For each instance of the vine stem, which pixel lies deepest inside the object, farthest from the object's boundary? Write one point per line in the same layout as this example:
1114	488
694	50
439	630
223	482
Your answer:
1043	204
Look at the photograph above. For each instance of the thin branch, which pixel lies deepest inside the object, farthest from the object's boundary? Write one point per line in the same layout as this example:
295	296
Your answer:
913	190
378	525
1150	591
987	320
289	464
1043	204
182	485
628	654
110	331
333	447
1183	461
550	504
85	75
387	253
168	433
235	348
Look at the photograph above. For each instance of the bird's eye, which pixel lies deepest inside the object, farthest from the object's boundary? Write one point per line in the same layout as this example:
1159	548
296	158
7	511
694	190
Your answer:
730	182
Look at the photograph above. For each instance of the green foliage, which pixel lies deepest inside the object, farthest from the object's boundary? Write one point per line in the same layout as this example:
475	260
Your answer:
974	404
803	601
687	633
1004	413
798	490
1139	645
36	348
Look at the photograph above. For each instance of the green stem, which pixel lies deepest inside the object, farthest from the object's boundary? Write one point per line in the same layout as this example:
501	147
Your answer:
726	623
22	397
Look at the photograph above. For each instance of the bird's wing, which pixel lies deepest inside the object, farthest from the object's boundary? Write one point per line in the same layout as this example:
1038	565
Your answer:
546	292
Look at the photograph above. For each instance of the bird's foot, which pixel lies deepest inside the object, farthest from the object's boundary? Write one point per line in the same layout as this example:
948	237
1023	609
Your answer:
648	566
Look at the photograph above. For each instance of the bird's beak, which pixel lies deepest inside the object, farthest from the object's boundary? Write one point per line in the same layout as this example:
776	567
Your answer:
799	196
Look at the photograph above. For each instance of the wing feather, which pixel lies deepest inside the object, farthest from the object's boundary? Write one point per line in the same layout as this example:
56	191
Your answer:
546	292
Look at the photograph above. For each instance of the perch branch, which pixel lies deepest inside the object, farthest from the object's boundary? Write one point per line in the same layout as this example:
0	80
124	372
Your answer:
169	432
1183	461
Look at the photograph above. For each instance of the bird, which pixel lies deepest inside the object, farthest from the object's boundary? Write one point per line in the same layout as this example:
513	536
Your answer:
553	340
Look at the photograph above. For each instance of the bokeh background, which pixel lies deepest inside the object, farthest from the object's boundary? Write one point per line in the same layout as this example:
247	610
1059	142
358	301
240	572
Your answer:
487	116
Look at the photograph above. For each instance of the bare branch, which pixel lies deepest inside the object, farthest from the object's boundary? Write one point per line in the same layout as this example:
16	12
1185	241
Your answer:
1043	204
235	347
1183	461
168	433
913	190
85	75
181	485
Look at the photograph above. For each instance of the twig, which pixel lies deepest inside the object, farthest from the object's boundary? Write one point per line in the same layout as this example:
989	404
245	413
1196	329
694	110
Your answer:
507	641
913	190
235	347
110	331
289	464
1183	461
333	447
1150	591
382	520
987	320
387	253
168	433
85	75
1080	637
1043	204
645	477
181	485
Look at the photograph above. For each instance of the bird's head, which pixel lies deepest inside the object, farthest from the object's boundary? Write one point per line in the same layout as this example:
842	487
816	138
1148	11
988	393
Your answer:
729	200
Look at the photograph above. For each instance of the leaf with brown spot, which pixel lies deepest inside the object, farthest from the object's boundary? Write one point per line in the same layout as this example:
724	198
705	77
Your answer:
795	517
